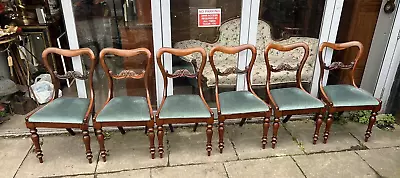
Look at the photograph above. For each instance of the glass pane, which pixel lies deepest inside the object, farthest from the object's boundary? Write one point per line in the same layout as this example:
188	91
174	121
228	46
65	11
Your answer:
285	22
188	31
123	24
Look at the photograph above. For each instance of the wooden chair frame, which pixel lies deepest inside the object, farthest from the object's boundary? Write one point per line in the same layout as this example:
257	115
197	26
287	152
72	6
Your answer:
339	65
176	74
235	70
125	74
55	80
285	67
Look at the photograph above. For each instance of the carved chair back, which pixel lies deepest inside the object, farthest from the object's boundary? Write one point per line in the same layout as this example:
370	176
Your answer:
127	74
233	69
55	77
339	65
284	66
182	72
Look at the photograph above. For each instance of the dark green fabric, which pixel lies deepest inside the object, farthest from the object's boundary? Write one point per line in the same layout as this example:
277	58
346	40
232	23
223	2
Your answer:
184	106
347	95
237	102
294	99
125	108
62	110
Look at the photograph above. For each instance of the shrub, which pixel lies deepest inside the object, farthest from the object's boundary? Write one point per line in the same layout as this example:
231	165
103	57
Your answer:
383	121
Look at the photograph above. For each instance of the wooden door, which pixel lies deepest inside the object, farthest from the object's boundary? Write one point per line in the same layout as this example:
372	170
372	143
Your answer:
358	21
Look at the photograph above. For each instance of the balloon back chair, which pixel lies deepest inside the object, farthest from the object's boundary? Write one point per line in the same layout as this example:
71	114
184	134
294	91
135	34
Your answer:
345	97
292	100
125	110
238	104
188	108
64	112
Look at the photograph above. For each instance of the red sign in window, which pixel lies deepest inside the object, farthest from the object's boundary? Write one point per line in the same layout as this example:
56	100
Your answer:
209	17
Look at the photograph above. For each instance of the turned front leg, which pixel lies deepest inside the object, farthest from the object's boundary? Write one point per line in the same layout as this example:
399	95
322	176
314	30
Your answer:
86	140
160	136
265	132
372	120
35	140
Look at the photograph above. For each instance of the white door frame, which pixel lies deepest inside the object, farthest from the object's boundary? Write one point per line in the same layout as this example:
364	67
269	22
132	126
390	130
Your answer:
328	33
389	66
378	48
70	27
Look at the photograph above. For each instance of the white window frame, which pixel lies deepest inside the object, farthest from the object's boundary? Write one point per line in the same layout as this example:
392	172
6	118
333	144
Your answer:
70	28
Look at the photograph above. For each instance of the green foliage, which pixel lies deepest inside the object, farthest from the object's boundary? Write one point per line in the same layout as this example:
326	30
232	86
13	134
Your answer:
383	121
360	116
3	114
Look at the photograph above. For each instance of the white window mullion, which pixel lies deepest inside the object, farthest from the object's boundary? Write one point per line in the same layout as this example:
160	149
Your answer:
328	33
244	39
70	27
157	42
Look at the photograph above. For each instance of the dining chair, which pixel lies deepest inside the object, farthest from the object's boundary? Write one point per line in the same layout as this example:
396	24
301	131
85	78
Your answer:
345	97
238	104
185	108
291	100
64	112
120	111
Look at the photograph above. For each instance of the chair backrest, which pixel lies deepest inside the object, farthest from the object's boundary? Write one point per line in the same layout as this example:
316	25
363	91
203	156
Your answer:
339	65
234	69
55	77
127	74
182	72
284	66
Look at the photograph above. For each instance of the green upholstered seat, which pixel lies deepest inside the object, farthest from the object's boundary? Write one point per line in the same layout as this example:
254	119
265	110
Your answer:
184	106
62	110
294	99
348	95
236	102
125	108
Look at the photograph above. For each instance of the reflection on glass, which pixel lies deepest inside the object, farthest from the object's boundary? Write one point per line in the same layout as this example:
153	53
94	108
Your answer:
187	34
286	22
123	24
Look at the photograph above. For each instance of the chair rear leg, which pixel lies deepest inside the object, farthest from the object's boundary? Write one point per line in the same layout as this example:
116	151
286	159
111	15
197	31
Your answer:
171	128
35	140
209	138
160	136
275	132
145	130
100	139
329	122
195	127
372	120
265	132
70	131
151	140
121	129
221	136
242	122
287	118
318	122
86	140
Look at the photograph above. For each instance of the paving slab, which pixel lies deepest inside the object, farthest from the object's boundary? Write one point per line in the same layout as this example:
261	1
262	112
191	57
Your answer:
129	151
211	170
12	153
337	164
339	137
80	176
379	138
188	147
142	173
247	141
385	161
270	167
63	155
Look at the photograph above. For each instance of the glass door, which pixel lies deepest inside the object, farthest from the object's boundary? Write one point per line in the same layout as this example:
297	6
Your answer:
123	24
204	23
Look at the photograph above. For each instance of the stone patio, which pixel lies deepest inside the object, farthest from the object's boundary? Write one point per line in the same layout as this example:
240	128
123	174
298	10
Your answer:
345	155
